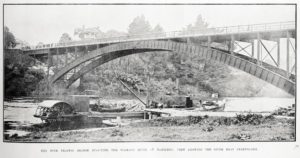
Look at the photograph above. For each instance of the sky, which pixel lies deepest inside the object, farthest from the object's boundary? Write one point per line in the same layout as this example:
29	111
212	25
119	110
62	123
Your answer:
46	23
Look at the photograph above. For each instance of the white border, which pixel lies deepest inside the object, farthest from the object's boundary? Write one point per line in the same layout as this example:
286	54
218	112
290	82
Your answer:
265	149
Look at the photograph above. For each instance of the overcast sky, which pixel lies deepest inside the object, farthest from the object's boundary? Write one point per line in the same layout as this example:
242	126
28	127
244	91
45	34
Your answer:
46	23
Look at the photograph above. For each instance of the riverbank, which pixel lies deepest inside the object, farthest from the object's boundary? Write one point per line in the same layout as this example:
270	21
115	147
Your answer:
240	128
19	120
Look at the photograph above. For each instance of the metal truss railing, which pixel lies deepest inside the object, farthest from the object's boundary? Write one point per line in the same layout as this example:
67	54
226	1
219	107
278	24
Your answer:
174	34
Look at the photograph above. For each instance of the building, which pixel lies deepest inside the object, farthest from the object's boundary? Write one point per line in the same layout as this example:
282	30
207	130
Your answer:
87	33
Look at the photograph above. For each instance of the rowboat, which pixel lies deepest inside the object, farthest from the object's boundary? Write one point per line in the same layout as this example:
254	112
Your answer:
217	105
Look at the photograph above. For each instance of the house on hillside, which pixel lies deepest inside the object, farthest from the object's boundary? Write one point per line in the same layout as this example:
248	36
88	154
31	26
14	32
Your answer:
20	44
87	33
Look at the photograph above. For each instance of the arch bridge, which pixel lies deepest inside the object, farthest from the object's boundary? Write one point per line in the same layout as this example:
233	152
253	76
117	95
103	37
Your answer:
216	44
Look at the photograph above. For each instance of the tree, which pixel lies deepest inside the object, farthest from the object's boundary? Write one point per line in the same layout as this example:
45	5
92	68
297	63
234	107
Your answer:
199	25
9	38
139	25
20	78
65	37
158	29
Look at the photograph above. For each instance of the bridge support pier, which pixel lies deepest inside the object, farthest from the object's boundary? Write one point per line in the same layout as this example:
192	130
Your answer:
209	42
258	50
232	41
269	53
188	41
243	49
66	57
252	48
287	54
49	62
66	60
57	59
76	56
278	52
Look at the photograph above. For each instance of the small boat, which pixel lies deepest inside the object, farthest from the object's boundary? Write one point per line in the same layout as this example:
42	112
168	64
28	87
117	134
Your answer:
213	105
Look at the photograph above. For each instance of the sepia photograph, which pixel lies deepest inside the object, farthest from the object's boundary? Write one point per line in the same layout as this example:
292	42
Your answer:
174	72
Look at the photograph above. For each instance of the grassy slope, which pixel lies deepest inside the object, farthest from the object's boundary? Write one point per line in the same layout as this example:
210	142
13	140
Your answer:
274	130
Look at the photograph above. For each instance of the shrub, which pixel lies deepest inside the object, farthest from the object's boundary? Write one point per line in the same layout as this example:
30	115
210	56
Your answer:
241	136
251	119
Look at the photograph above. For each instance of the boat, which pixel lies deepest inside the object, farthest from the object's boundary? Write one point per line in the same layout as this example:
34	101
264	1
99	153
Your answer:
216	105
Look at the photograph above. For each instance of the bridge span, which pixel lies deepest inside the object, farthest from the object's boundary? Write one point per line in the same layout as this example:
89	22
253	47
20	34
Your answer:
216	44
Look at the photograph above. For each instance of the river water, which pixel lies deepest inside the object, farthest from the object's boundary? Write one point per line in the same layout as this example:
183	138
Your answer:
257	104
21	113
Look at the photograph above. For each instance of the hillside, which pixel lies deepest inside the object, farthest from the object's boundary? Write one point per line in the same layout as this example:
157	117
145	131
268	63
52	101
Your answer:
175	74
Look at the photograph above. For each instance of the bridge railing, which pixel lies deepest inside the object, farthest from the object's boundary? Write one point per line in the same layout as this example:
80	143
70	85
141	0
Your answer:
175	34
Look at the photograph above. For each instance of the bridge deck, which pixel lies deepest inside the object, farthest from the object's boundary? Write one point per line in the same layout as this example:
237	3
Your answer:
219	33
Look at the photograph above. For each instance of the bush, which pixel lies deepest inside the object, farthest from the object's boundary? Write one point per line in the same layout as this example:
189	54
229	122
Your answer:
117	132
177	121
223	121
279	138
250	119
240	136
240	119
20	78
195	119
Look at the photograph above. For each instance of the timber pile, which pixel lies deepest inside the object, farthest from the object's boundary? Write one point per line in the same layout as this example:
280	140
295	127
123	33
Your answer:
133	81
135	107
129	106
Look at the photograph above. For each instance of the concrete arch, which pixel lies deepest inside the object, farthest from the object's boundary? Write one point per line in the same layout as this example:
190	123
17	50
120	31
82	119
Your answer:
118	50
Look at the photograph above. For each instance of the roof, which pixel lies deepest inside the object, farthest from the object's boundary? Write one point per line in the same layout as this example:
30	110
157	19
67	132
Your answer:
88	30
91	29
50	103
